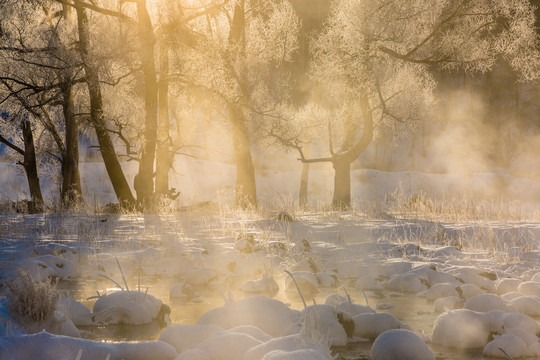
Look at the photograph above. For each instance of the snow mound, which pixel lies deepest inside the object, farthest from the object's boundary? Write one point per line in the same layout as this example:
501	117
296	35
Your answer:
372	325
45	346
529	288
291	343
446	303
271	316
127	307
464	329
263	286
400	344
511	344
485	303
234	345
506	285
184	337
303	354
441	290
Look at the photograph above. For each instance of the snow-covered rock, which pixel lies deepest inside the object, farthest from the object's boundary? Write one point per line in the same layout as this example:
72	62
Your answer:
306	281
128	307
441	290
486	302
470	290
333	325
506	285
302	354
515	320
511	344
251	331
288	343
527	337
464	329
184	337
183	291
446	303
229	345
529	288
406	283
271	316
470	275
367	282
529	305
75	311
400	344
266	285
372	325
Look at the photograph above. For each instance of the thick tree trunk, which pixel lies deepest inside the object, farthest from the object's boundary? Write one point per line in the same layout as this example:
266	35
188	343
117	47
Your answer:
30	167
163	158
246	190
348	154
114	169
144	185
71	193
342	184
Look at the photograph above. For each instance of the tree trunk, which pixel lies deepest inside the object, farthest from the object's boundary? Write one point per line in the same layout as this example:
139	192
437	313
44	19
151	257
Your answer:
342	184
348	154
114	169
304	181
144	185
163	158
30	167
71	193
246	191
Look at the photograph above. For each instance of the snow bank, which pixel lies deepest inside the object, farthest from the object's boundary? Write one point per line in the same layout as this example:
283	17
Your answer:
45	346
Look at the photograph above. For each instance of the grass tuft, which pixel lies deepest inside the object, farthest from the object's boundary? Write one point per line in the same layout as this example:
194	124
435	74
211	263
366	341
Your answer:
29	300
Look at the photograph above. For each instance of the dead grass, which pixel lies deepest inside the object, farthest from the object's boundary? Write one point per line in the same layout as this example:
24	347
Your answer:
29	300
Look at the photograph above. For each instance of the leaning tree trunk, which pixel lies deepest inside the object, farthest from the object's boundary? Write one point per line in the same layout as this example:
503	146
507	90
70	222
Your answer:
144	185
114	169
30	167
246	190
163	158
71	193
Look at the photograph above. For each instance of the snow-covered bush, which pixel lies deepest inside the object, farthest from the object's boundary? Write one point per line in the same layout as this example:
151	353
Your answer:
30	301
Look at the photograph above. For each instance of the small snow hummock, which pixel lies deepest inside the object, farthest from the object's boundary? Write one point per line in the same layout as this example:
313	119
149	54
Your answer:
400	344
512	345
271	316
129	308
370	326
263	286
464	329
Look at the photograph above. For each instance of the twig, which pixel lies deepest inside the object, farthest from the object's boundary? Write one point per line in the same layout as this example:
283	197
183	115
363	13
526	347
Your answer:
297	288
122	273
506	354
365	297
115	283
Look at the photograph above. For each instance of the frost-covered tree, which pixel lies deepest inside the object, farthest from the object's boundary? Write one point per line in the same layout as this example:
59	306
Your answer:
39	74
239	63
373	62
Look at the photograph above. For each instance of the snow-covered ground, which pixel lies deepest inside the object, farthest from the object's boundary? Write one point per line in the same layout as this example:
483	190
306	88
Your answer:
217	270
410	270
